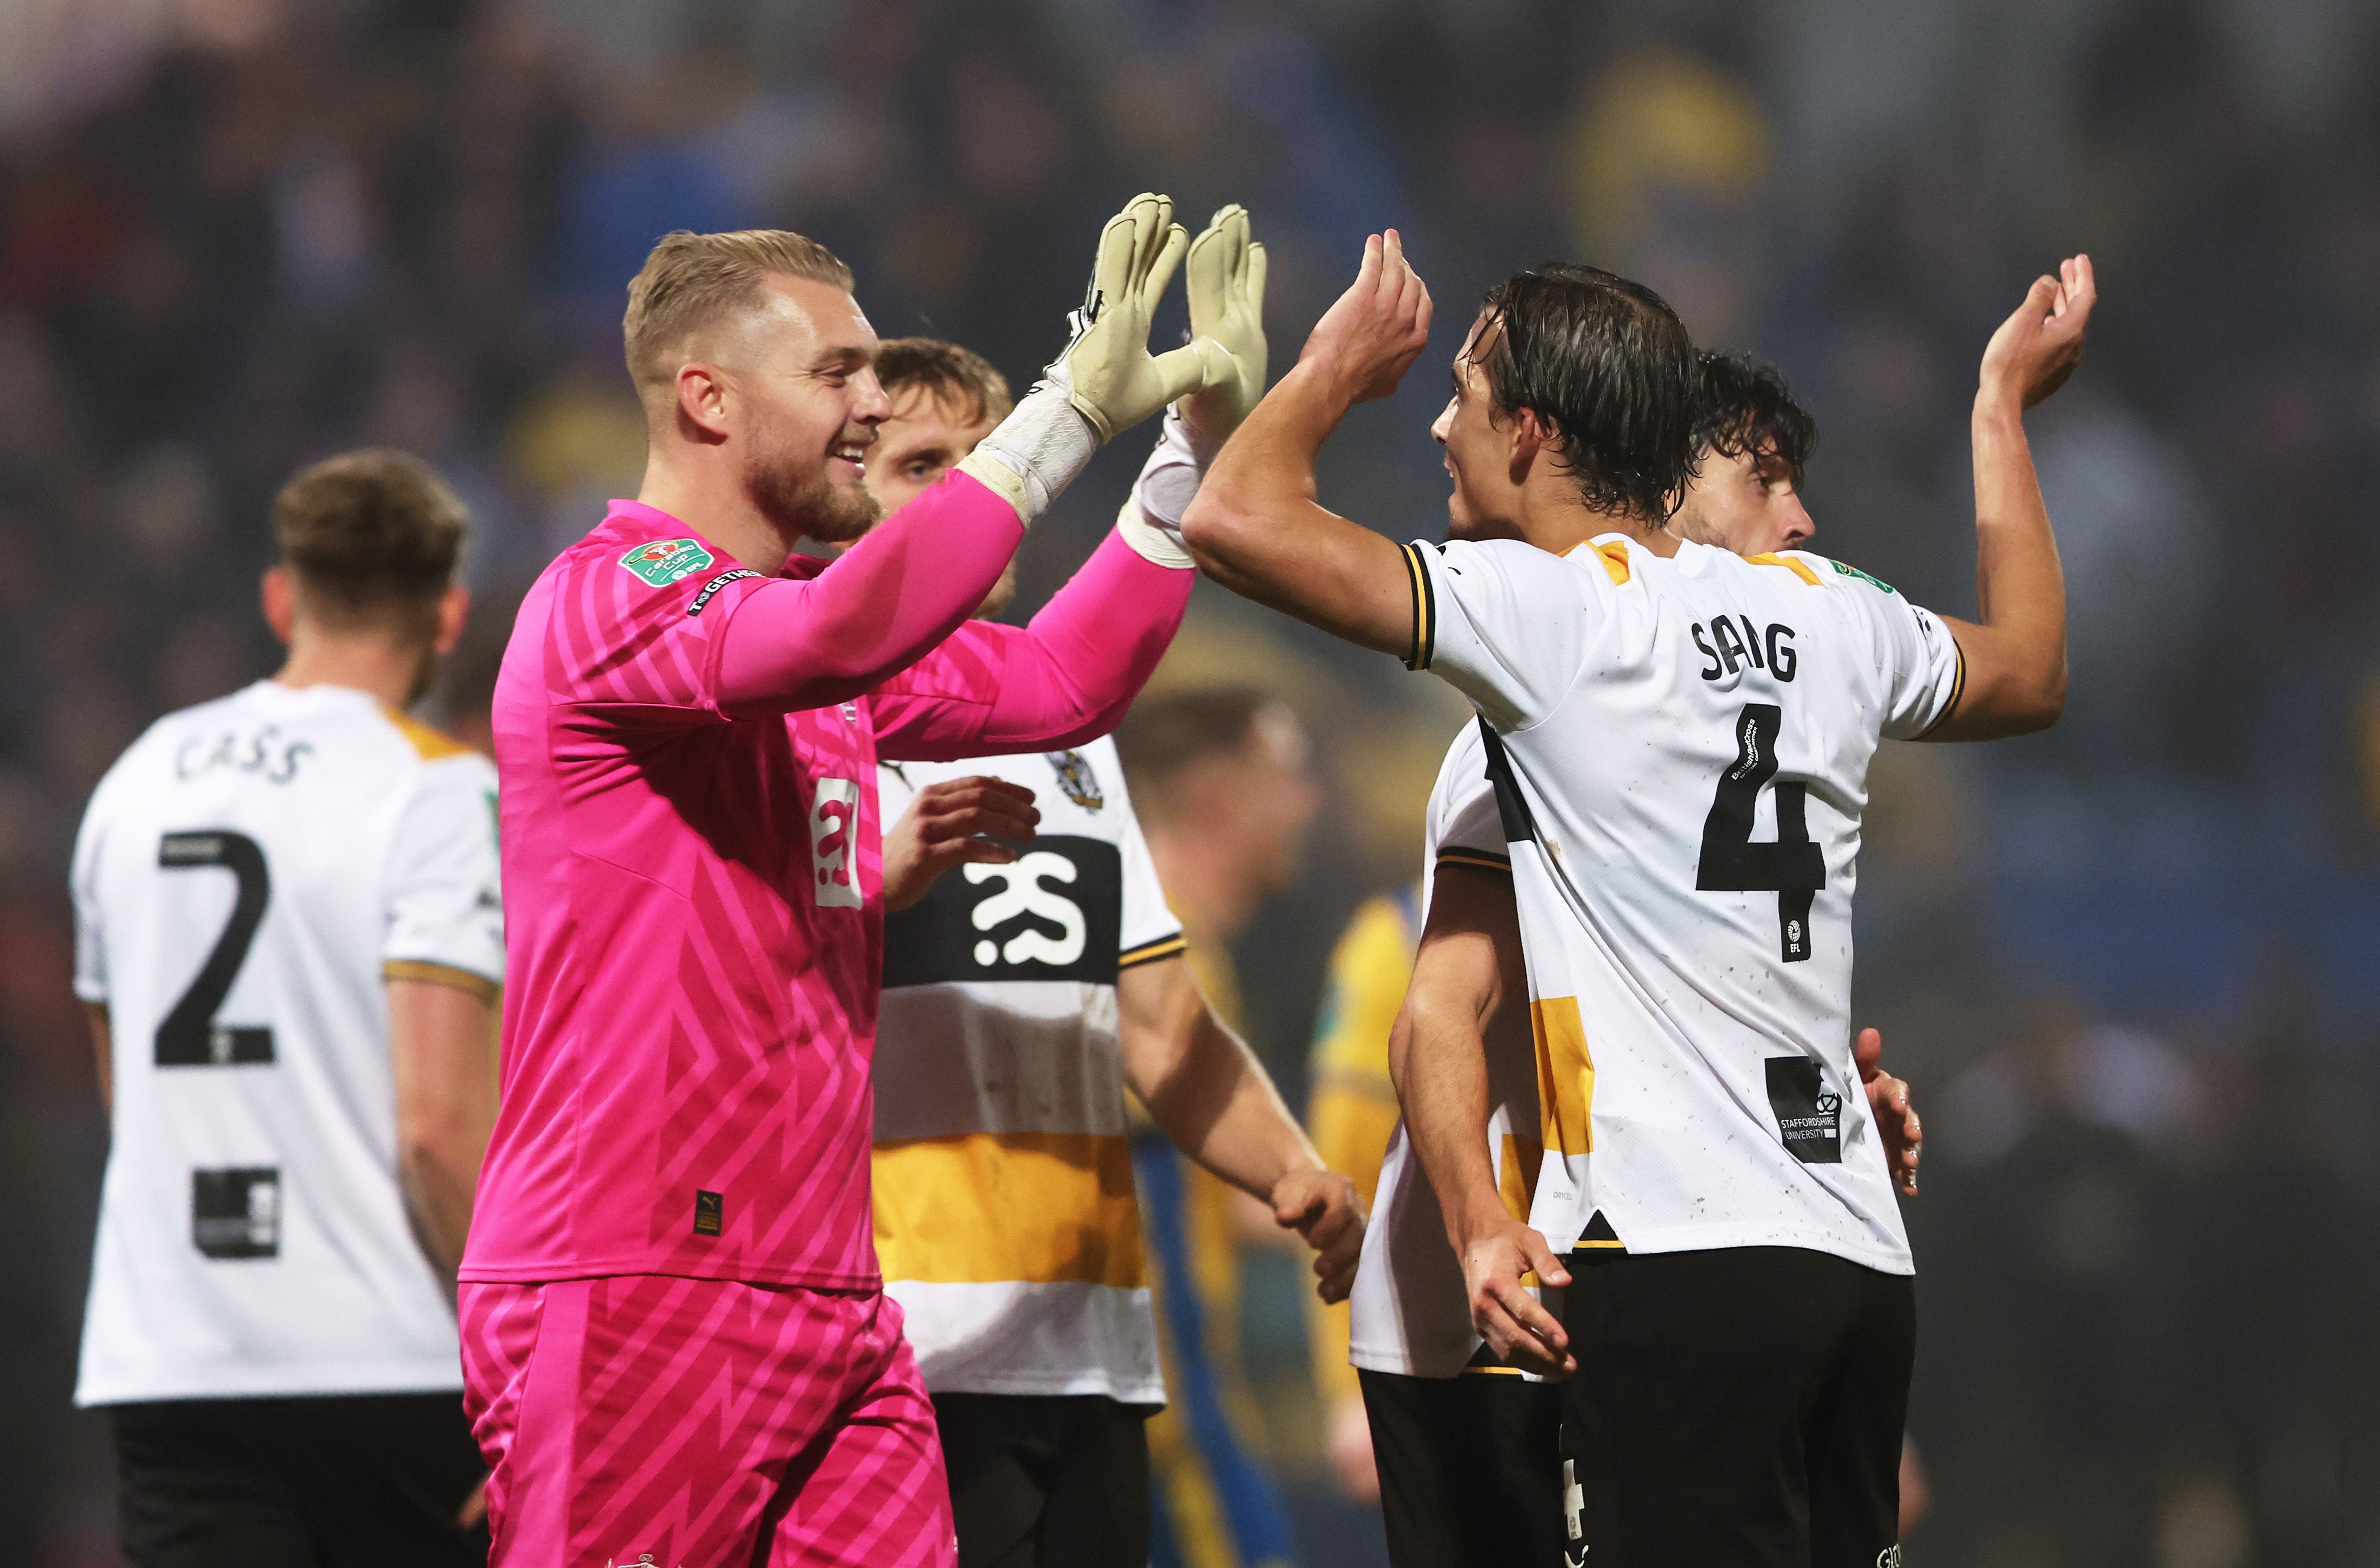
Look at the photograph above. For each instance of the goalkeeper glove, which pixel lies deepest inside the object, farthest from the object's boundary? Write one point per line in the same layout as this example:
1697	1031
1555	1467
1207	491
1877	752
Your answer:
1104	380
1226	279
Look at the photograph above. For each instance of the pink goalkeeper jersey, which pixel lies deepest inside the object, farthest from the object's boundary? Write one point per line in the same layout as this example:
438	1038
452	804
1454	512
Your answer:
693	905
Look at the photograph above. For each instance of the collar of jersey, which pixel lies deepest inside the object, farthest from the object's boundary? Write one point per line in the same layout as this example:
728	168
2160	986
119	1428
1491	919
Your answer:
623	516
320	692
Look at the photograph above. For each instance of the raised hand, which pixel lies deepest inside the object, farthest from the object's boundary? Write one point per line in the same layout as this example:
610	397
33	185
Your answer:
1106	367
2035	349
1896	1117
1322	1207
1225	280
949	824
1367	340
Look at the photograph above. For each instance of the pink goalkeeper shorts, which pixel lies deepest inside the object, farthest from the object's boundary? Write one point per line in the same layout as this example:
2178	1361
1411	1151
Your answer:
646	1420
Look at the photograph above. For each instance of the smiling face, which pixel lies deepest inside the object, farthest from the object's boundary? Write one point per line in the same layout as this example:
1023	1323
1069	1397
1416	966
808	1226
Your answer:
802	369
1478	447
1747	504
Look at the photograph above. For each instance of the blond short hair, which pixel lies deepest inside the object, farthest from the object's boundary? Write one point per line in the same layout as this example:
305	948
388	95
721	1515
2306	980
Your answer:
691	279
946	371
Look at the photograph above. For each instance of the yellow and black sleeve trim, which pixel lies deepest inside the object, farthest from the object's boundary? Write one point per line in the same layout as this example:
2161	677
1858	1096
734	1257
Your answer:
1957	691
1425	609
1481	859
486	990
1150	952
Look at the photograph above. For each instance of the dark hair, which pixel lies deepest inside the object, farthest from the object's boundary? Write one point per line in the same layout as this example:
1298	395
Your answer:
945	370
1608	364
370	536
1747	410
1166	734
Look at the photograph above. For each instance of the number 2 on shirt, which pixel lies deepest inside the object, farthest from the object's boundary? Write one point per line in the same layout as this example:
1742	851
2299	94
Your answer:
1791	866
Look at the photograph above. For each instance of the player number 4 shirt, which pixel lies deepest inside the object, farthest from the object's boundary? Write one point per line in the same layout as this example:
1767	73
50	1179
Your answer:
1680	749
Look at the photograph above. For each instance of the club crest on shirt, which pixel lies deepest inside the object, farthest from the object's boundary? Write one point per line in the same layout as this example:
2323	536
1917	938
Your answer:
661	561
1075	777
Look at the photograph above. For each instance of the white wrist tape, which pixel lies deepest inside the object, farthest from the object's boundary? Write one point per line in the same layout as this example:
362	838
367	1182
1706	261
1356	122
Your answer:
1151	520
1031	457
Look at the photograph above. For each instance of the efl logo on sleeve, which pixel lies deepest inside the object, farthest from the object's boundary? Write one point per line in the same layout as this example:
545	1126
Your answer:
834	853
663	561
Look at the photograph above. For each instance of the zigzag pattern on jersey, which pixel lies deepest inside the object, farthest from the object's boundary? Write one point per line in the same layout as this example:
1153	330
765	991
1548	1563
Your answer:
688	1018
671	1413
612	647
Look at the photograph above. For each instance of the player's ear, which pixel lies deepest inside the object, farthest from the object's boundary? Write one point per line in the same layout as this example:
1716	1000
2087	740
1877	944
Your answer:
453	608
280	598
1525	436
702	397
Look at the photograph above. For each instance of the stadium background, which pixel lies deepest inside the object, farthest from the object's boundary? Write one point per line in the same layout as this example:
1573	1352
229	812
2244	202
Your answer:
2132	965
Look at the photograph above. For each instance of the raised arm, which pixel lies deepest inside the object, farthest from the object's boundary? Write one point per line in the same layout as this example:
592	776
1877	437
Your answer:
1468	965
2015	656
1071	674
901	591
1065	679
1255	526
892	597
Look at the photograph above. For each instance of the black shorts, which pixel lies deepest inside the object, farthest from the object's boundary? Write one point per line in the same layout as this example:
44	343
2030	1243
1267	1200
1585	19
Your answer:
298	1483
1047	1480
1470	1468
1741	1407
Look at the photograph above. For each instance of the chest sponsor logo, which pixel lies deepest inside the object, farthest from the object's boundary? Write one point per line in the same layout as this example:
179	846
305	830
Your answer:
1077	778
1055	913
235	1211
663	561
834	850
1809	1114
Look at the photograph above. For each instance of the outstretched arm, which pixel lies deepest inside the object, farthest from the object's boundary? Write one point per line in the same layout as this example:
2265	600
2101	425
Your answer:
1065	679
1255	526
1468	964
2015	656
811	643
904	589
1071	675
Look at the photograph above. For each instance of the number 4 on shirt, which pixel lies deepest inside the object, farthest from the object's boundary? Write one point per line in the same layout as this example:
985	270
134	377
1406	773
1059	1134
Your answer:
1791	866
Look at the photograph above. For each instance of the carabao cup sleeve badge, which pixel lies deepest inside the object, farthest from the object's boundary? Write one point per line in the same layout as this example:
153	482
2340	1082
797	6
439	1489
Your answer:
664	561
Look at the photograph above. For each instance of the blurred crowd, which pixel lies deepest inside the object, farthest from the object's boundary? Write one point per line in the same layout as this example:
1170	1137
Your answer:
2131	964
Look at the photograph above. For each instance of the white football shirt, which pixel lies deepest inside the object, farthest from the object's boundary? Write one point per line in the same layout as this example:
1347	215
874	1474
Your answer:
1409	1311
1680	749
1006	1221
247	875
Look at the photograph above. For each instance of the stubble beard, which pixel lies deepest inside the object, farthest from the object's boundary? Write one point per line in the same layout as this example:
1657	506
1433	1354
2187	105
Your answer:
802	503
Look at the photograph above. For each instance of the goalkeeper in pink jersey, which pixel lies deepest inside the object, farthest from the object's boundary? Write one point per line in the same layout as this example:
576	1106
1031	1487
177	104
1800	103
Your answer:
676	1347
